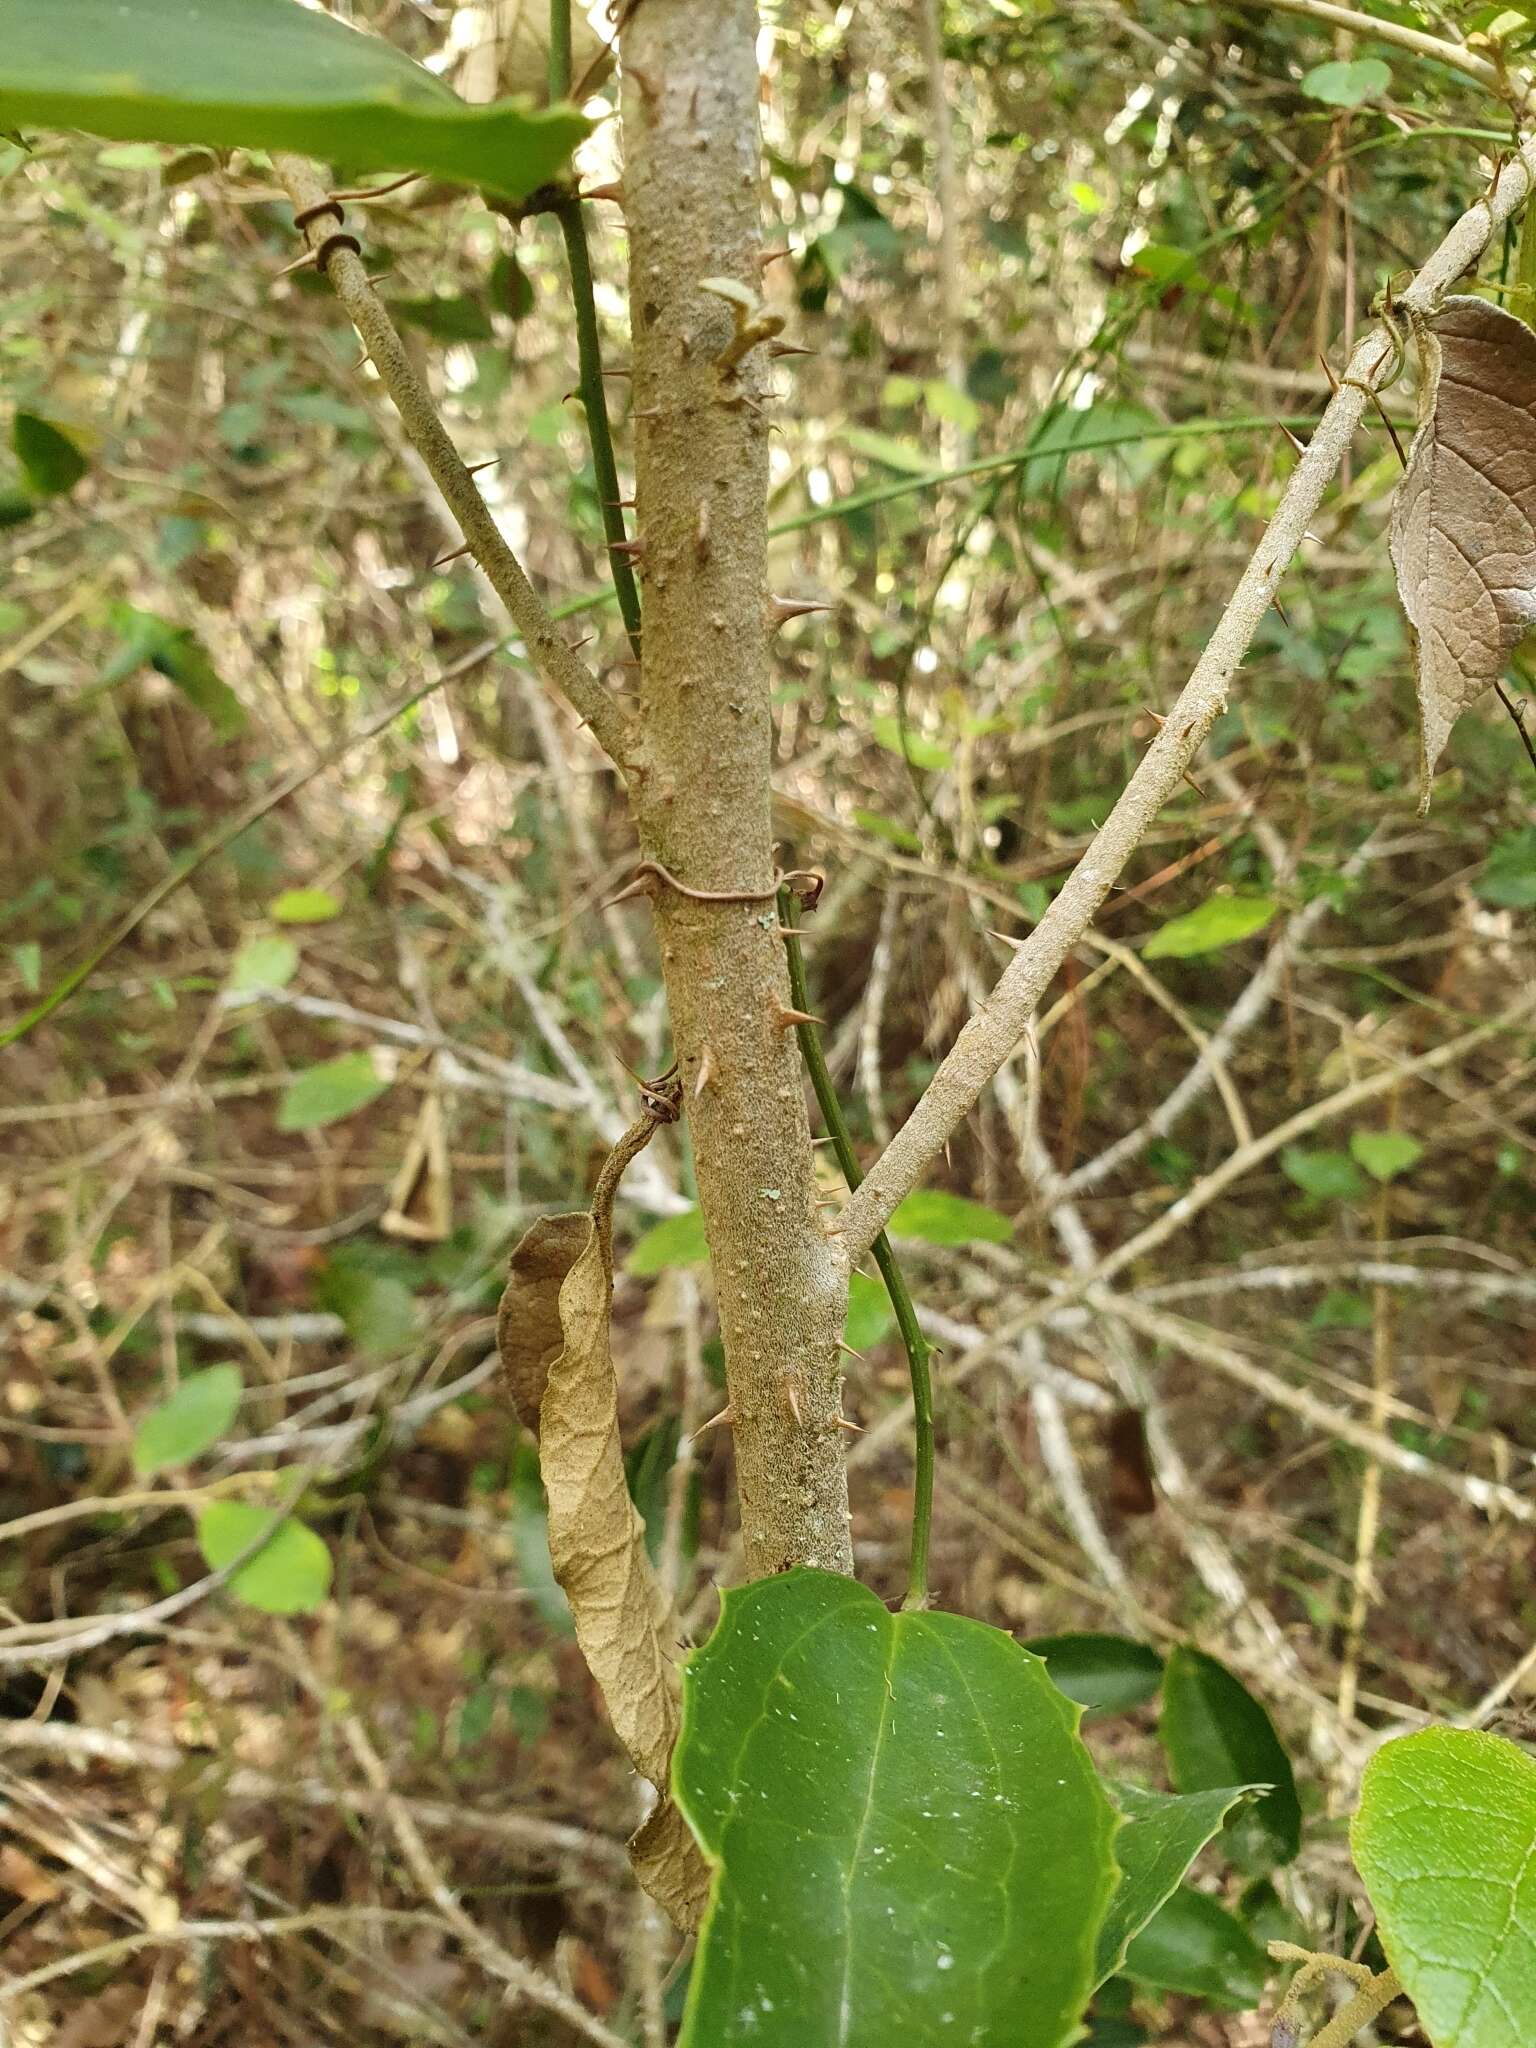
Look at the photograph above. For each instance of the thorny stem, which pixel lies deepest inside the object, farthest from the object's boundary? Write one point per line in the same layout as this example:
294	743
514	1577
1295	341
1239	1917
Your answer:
916	1343
549	652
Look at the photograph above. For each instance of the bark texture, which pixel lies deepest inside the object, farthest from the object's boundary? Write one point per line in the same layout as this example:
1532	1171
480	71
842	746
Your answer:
699	782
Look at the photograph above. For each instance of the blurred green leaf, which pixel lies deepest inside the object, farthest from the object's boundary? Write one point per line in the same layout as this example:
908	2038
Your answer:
27	959
1509	875
1217	1735
325	1094
937	1217
1385	1154
304	906
1219	921
675	1241
264	74
189	1421
1347	83
50	460
448	316
290	1574
870	1315
886	729
266	960
530	1540
1325	1176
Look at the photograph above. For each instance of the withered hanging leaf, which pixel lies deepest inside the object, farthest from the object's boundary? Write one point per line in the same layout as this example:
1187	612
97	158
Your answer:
668	1863
558	1301
1464	522
528	1319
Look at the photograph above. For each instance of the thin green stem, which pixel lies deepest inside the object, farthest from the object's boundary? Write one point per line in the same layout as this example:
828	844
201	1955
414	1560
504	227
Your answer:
559	72
885	1258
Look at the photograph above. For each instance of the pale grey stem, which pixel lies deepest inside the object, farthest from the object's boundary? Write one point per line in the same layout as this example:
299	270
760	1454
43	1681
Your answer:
991	1033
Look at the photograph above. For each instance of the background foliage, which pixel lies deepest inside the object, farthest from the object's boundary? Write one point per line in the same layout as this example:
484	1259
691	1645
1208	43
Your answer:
223	566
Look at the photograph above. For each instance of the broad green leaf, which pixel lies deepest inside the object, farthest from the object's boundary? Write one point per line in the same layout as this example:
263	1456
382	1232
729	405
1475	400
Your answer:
49	459
1217	1735
675	1241
1194	1944
1105	1674
189	1421
267	960
1345	84
1445	1840
182	657
446	317
327	1093
1219	921
1385	1154
1325	1176
290	1574
870	1315
909	1839
304	906
940	1218
912	745
264	74
1163	1834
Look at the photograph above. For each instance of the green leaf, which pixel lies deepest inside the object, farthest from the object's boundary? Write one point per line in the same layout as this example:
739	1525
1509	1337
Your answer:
1194	1944
1445	1840
1105	1674
1219	921
304	906
49	459
903	456
1385	1154
940	1218
327	1093
1217	1735
887	732
870	1314
1347	84
188	1422
446	317
290	1574
909	1838
1509	876
1163	1834
1325	1176
264	74
182	657
675	1241
267	960
378	1309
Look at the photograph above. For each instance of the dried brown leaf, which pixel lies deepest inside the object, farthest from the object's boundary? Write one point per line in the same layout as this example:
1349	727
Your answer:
559	1300
668	1863
1464	522
528	1319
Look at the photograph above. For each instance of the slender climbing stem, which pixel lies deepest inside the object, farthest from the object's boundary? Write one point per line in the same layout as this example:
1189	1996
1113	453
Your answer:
885	1258
589	349
594	399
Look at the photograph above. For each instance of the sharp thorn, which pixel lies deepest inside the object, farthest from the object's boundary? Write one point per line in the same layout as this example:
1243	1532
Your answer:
453	557
784	1018
641	886
789	348
723	1420
490	462
853	1428
1295	439
618	373
782	609
851	1352
772	256
613	190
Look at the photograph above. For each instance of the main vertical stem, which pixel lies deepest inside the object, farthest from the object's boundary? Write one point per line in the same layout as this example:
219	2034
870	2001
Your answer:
700	789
